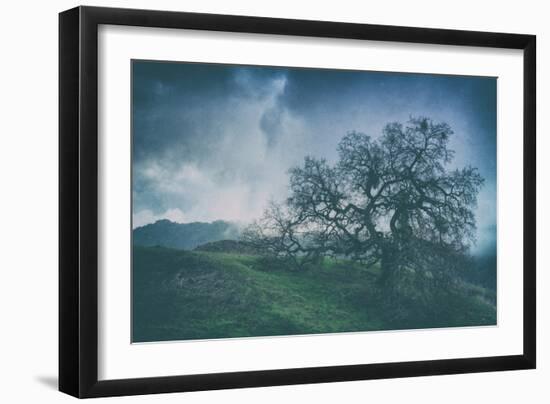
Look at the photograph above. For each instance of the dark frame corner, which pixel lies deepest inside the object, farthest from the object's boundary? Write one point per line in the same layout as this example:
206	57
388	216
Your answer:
78	288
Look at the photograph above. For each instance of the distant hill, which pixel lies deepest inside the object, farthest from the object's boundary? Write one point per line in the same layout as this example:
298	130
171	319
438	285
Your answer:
184	236
228	246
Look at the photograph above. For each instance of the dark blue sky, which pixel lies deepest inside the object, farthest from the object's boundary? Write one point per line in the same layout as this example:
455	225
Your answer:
215	141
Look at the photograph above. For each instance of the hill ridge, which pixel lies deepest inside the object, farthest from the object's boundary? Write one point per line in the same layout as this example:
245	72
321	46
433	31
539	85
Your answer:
184	236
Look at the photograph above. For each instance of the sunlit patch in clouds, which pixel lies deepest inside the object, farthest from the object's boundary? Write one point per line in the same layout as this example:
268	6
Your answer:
240	165
215	142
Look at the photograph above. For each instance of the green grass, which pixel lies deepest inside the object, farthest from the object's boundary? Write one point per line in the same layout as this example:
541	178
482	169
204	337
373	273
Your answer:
180	295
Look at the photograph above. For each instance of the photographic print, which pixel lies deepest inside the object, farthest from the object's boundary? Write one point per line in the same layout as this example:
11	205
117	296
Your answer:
276	201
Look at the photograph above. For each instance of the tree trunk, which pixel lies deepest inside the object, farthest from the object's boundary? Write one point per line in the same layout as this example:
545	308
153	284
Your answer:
390	268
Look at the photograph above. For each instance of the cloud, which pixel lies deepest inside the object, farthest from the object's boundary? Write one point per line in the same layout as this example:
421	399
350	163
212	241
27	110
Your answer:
215	142
239	164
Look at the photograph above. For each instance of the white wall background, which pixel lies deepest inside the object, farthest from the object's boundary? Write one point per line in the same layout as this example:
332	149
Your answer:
28	206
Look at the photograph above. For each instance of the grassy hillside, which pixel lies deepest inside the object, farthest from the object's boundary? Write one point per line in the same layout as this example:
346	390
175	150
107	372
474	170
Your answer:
202	294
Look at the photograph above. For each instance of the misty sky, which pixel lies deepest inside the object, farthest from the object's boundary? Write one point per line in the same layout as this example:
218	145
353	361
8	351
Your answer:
216	141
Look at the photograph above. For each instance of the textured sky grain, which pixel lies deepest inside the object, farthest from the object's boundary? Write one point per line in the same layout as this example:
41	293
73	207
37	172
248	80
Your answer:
216	141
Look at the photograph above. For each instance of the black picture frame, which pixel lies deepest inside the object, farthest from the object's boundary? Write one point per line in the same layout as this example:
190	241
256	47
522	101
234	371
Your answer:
78	201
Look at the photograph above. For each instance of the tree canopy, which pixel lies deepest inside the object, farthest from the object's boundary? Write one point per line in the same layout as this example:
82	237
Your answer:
391	199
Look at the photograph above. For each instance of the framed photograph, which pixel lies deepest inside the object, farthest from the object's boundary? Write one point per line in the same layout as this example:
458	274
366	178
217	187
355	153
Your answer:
251	201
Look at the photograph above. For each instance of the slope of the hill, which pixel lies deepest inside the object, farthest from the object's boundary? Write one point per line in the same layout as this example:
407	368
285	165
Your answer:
179	295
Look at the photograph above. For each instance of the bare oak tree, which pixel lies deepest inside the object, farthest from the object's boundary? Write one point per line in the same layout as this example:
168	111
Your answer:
390	200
